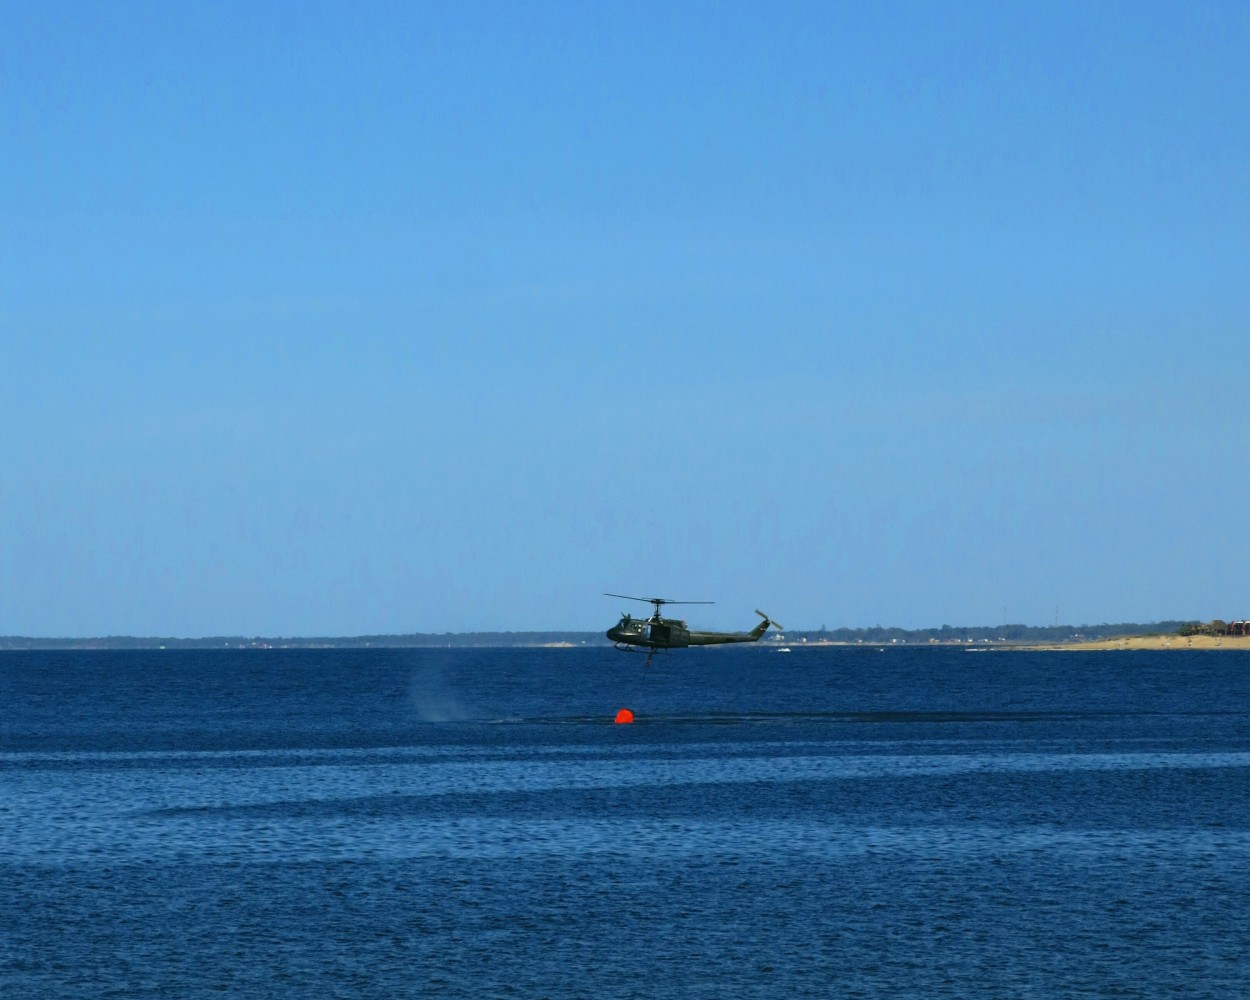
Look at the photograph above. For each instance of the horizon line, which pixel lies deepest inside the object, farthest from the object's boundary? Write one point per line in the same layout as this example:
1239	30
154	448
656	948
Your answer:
548	631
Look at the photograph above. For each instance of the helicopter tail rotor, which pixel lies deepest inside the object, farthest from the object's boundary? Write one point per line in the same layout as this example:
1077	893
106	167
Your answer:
768	621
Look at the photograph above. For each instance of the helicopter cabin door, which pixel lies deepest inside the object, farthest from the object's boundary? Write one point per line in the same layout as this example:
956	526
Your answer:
669	635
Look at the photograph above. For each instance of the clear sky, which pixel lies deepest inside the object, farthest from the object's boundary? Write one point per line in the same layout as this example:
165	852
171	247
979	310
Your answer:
341	318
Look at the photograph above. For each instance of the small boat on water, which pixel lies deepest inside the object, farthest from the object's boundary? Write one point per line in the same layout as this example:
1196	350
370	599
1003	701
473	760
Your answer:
784	649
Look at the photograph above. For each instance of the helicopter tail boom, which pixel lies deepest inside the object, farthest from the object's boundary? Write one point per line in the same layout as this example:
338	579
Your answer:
718	638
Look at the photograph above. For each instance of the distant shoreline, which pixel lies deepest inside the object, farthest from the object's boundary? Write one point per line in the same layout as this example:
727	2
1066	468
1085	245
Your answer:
1126	636
459	641
1154	642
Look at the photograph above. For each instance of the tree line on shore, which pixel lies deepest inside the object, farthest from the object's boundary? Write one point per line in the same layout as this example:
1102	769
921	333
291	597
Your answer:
992	633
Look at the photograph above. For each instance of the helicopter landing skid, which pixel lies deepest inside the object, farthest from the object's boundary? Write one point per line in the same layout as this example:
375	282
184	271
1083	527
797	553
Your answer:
651	652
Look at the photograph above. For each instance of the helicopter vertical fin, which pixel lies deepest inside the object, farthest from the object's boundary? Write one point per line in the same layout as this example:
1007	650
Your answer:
762	627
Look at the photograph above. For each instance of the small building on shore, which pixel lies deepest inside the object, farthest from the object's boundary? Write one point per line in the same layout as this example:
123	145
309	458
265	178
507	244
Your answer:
1217	626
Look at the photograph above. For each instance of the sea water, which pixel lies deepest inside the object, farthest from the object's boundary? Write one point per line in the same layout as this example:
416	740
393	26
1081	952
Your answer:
875	822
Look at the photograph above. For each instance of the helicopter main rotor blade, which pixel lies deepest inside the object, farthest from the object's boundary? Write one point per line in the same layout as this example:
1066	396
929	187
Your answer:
654	600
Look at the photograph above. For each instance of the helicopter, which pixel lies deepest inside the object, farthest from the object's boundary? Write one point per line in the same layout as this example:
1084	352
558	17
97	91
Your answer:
635	635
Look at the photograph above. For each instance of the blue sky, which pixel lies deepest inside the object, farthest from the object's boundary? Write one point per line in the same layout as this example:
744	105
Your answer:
329	318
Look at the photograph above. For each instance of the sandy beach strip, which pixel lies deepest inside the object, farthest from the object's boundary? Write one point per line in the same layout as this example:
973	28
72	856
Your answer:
1150	642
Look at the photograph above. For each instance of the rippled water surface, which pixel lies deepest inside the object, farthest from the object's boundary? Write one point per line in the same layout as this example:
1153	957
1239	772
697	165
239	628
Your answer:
469	823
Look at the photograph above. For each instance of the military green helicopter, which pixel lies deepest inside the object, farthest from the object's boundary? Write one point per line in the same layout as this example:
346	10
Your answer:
651	635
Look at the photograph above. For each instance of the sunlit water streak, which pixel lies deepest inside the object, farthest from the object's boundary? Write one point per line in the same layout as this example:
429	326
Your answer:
181	813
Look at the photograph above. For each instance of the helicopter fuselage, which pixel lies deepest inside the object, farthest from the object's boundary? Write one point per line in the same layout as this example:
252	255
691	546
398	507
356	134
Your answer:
672	633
